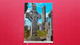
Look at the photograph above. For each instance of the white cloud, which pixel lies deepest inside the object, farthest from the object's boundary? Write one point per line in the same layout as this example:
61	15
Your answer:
47	14
28	10
26	19
29	24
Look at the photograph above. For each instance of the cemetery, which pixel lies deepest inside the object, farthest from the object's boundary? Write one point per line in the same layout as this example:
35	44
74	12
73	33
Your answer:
37	31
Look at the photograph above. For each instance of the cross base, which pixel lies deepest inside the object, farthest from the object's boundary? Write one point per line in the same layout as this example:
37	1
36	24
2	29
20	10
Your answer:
34	38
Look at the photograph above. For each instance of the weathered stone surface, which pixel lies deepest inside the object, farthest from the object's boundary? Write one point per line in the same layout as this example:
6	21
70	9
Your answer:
47	26
43	17
42	26
33	16
50	31
34	38
43	14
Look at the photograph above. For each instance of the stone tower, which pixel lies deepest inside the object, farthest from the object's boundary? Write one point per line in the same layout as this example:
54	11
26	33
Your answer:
44	14
43	17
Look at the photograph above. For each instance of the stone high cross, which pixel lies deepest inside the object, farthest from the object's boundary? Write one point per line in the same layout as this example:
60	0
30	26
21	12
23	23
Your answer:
33	16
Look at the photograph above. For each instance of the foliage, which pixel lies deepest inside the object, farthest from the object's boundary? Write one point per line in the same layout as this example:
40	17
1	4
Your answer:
26	33
42	33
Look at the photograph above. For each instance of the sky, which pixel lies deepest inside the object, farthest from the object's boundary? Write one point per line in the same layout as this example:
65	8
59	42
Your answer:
39	10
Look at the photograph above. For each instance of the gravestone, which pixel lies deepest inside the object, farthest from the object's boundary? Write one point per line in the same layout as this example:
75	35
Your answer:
47	26
50	31
33	16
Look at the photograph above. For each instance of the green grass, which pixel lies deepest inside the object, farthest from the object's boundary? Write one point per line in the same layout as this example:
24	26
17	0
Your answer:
26	33
42	33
